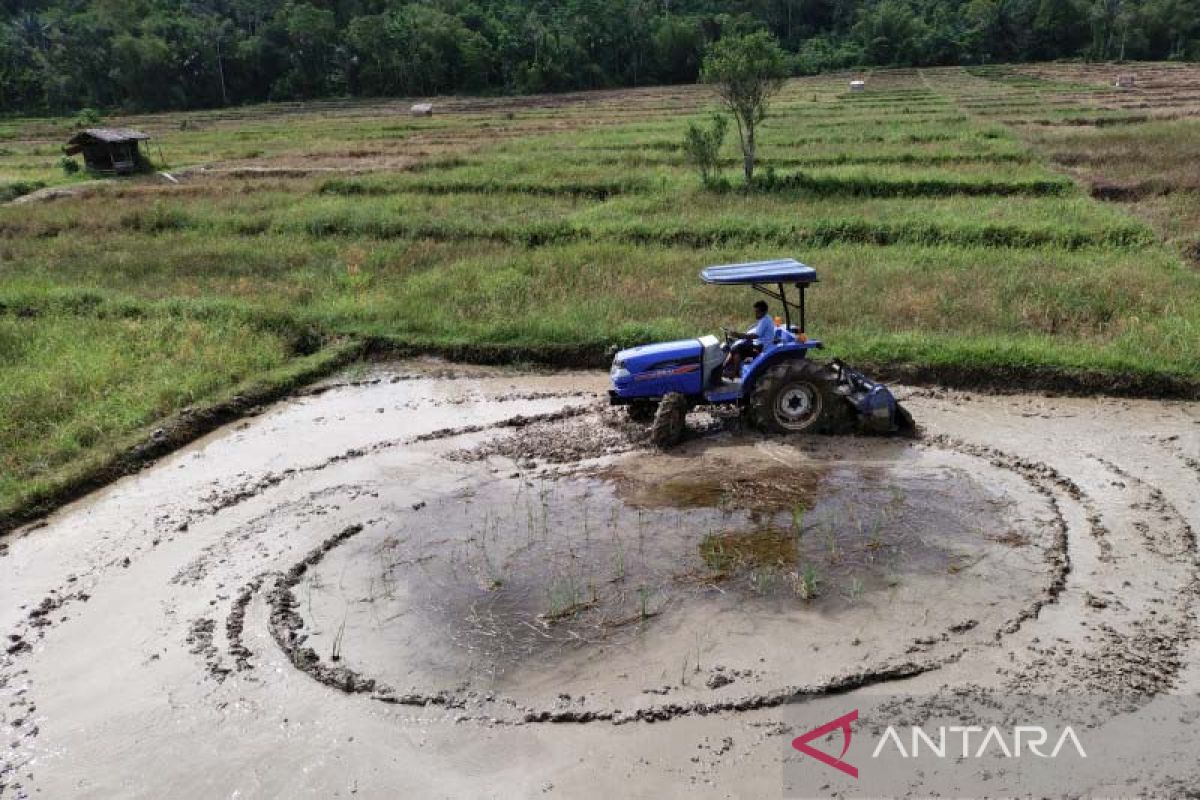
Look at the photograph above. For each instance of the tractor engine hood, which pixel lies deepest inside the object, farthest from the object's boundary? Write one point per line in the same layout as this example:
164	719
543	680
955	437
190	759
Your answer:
658	356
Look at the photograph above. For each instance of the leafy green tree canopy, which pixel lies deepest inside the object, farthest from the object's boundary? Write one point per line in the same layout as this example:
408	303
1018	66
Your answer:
59	56
747	72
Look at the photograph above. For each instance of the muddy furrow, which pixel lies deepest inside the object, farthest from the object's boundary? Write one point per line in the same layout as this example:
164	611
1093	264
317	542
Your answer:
219	501
1134	631
1045	480
1183	544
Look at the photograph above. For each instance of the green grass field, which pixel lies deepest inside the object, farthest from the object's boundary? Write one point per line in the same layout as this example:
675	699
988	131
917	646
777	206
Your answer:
938	207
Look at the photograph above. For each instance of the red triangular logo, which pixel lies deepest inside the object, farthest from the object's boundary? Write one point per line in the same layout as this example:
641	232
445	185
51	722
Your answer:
842	723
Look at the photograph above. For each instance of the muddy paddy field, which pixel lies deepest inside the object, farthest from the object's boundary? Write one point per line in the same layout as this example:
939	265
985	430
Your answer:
431	580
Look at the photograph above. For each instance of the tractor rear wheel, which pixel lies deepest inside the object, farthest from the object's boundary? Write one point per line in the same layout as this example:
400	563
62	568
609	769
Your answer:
670	420
642	410
795	396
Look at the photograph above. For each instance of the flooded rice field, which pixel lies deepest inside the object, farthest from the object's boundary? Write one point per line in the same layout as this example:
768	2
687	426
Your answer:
611	582
442	581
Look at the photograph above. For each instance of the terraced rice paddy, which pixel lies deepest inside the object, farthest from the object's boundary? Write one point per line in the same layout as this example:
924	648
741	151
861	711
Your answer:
949	212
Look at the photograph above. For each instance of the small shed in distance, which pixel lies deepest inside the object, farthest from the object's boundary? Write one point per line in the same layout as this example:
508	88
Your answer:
110	151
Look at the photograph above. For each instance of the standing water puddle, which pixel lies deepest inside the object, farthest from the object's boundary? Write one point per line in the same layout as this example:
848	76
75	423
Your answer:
518	577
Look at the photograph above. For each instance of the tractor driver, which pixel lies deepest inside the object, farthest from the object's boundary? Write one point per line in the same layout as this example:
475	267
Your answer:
751	343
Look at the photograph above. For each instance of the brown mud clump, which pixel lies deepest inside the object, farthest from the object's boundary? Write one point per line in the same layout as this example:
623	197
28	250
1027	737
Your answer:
604	432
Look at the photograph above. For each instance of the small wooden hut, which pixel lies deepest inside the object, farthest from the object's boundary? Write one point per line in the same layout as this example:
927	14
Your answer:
109	151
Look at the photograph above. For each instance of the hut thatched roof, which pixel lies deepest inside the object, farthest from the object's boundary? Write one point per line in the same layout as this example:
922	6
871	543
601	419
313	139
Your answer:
93	136
112	135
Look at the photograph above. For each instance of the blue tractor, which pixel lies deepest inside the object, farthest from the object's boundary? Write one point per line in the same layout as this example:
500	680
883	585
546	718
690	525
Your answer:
780	389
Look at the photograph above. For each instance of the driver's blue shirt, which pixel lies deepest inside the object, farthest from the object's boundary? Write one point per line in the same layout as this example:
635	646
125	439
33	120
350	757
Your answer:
764	331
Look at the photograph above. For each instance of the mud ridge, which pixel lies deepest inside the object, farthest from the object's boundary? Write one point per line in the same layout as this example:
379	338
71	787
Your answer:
448	373
1156	503
670	711
1037	475
1006	380
235	623
1170	443
840	685
286	624
200	641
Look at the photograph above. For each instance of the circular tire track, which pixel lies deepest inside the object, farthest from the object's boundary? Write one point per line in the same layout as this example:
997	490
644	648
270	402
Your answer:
287	626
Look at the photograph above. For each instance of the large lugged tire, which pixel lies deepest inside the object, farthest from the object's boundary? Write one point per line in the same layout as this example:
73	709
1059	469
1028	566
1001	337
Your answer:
796	396
669	420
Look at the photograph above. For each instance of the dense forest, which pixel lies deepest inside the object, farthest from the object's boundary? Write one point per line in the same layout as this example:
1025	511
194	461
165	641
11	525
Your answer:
61	55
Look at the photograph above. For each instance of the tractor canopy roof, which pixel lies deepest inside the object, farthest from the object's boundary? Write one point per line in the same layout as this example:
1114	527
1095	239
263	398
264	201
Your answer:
784	270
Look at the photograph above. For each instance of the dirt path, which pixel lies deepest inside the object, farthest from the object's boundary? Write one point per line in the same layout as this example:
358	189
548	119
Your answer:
468	582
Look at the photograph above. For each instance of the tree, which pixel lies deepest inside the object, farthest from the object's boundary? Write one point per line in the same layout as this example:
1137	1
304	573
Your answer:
1059	28
702	147
678	44
60	55
1168	25
892	34
312	40
747	71
416	50
142	68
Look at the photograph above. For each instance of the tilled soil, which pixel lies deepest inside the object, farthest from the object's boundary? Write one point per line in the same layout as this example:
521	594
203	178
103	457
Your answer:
444	582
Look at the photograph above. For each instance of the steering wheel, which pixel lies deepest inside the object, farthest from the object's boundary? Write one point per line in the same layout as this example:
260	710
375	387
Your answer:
730	335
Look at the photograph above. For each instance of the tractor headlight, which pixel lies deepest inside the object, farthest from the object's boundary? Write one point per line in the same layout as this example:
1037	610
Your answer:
618	370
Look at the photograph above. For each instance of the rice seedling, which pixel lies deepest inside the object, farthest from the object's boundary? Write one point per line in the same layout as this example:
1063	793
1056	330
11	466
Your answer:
806	582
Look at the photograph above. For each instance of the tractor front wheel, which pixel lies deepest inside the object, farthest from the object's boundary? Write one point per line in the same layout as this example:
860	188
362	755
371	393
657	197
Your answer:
795	397
642	410
670	420
905	425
